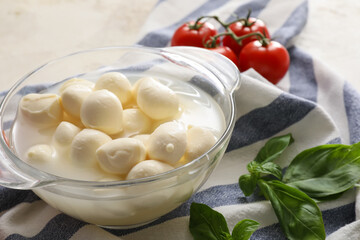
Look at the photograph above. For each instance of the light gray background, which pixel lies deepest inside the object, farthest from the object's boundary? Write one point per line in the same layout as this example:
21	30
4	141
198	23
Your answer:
35	31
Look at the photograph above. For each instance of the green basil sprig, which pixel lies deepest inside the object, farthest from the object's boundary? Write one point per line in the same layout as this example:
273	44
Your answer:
298	214
208	224
316	174
263	163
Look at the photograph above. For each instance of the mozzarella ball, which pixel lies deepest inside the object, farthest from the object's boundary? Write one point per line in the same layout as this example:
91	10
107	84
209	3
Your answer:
84	146
142	137
116	83
120	155
102	110
135	122
65	133
40	153
73	97
156	100
148	168
76	81
199	141
76	121
42	110
167	143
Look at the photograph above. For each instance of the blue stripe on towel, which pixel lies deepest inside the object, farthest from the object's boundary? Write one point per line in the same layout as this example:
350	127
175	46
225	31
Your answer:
335	141
10	197
352	107
265	122
60	227
270	232
302	77
338	217
293	25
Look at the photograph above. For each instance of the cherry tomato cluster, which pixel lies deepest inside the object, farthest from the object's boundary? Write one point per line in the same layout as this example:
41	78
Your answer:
245	41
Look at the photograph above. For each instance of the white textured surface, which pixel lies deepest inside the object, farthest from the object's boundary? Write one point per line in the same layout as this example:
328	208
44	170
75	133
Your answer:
33	32
332	35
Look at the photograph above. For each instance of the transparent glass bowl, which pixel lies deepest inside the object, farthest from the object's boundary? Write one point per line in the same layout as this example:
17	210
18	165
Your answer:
130	203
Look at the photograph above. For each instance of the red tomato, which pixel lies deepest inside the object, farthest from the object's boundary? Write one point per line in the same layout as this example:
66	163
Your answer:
271	61
188	35
252	25
227	52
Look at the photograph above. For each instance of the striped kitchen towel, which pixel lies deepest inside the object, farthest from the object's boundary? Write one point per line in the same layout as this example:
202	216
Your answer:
313	103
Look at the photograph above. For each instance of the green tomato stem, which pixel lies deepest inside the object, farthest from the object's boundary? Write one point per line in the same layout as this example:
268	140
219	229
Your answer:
223	24
261	37
197	25
246	22
216	18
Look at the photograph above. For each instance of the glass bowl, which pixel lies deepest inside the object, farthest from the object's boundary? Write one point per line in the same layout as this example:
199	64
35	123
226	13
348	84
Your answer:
128	203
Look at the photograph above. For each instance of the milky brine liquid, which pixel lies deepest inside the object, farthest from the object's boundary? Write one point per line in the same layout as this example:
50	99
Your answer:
197	109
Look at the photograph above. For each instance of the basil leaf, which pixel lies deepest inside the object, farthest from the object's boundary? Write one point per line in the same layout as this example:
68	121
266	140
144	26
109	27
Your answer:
253	166
328	198
244	229
207	224
298	214
247	183
270	168
273	148
325	170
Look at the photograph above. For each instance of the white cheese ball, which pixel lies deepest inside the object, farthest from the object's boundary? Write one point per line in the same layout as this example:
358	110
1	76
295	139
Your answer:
76	81
76	121
40	153
199	141
116	83
73	97
84	146
120	155
103	111
148	168
156	100
42	110
142	137
167	143
135	122
65	133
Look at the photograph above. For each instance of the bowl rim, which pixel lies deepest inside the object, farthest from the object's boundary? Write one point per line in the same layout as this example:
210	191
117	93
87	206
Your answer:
52	179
